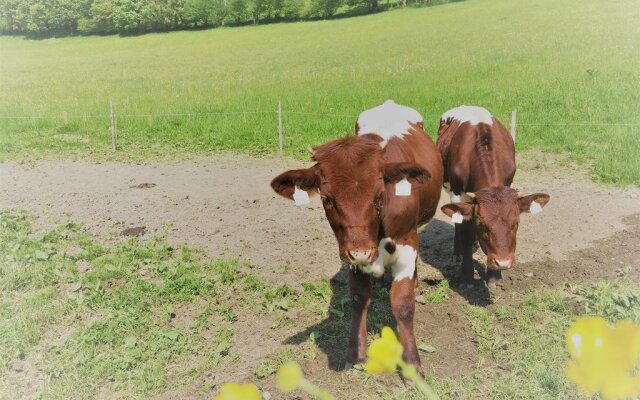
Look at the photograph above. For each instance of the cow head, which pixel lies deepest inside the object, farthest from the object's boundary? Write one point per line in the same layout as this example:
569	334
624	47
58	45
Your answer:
350	175
495	213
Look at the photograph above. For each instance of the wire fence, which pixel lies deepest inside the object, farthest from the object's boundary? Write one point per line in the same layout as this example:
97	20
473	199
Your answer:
274	112
117	121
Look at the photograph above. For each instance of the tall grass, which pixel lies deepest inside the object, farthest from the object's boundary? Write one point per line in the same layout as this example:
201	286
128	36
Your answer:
571	68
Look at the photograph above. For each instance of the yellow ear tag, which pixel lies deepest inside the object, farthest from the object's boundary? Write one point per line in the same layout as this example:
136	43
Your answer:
403	188
300	197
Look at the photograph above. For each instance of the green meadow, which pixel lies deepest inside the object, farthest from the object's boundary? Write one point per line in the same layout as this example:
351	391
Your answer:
570	68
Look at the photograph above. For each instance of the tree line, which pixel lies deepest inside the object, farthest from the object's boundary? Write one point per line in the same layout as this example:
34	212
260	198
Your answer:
70	17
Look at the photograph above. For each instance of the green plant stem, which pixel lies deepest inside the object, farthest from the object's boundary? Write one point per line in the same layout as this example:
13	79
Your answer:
409	372
315	391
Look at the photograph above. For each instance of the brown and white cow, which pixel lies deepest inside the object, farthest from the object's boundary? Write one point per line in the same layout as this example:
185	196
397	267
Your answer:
361	180
479	164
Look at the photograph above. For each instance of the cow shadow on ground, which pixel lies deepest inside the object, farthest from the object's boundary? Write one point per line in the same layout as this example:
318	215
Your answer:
331	335
436	250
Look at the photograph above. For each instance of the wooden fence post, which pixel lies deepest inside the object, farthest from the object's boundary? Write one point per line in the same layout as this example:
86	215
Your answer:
113	125
513	125
280	126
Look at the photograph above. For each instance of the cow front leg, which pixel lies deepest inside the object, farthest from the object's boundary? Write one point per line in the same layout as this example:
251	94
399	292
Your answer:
403	302
494	277
457	243
360	291
467	239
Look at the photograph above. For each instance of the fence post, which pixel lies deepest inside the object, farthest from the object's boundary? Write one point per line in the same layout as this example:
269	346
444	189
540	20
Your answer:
113	125
280	126
513	125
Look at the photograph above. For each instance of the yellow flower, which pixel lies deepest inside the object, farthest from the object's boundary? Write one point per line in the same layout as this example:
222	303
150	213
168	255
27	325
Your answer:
603	357
384	354
289	376
235	391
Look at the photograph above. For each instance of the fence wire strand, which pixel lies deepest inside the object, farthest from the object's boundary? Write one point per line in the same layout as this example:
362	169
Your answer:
253	112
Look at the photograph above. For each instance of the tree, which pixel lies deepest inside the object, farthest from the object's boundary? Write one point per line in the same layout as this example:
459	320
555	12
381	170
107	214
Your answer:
325	8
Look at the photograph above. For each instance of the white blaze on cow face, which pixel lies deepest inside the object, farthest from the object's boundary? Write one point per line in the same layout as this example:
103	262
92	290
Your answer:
388	120
472	114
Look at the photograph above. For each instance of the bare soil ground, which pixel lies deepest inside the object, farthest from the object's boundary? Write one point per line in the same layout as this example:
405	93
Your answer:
225	205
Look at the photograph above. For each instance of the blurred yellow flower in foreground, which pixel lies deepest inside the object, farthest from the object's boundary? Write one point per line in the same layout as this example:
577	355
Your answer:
235	391
603	357
384	354
289	376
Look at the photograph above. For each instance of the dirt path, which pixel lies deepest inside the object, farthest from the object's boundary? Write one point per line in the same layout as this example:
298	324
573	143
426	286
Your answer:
225	205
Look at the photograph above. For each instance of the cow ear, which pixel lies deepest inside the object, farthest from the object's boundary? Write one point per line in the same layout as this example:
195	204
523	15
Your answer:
285	184
457	211
395	172
533	203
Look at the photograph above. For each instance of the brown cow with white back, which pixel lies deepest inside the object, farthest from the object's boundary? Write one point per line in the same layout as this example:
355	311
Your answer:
479	164
376	187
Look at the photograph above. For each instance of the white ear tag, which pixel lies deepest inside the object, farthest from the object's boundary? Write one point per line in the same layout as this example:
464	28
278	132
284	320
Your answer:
535	207
403	188
457	218
300	197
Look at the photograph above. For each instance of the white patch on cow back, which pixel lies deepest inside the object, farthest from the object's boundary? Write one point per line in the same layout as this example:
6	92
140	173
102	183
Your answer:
388	120
472	114
405	264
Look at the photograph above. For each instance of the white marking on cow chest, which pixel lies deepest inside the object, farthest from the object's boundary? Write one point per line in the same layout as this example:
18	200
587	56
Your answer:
472	114
388	120
402	261
405	265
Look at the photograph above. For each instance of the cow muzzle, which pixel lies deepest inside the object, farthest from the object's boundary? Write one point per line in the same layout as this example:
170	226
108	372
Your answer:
360	256
501	263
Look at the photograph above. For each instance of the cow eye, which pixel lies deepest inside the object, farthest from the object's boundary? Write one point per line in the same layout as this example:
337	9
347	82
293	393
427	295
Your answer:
327	202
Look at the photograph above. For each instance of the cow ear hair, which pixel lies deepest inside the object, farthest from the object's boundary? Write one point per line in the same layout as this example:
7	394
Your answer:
533	203
463	209
395	172
305	179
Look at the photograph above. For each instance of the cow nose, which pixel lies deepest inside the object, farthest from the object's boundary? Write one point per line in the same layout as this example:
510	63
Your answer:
360	256
503	264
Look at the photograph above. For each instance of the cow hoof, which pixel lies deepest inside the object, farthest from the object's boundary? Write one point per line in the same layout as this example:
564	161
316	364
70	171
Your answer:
353	359
494	278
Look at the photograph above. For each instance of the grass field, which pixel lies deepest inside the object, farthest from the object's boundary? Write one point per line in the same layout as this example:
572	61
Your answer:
571	68
139	318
